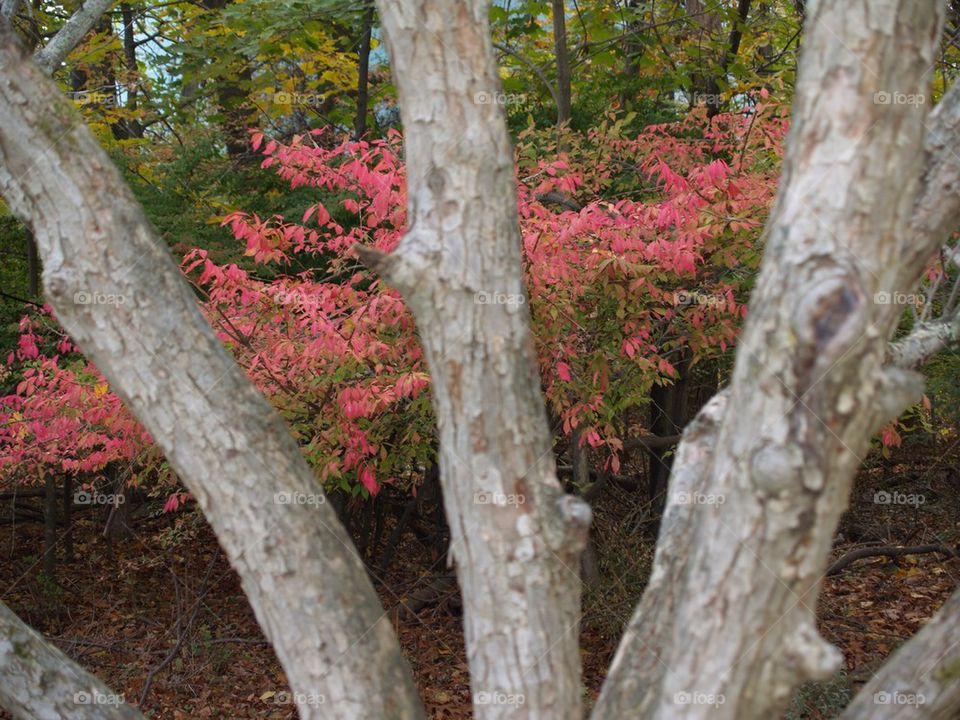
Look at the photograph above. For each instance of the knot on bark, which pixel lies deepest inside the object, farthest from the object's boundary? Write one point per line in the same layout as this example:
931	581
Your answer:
577	516
406	269
813	657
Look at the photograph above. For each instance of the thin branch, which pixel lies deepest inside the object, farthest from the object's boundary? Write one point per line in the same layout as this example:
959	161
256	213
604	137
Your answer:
8	11
69	36
536	71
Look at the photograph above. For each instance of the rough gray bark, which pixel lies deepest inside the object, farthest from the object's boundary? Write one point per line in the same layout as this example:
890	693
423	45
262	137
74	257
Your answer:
8	11
80	23
118	293
515	536
922	679
726	627
38	682
925	340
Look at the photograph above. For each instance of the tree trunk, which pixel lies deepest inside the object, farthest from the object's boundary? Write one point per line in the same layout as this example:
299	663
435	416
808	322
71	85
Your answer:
562	59
922	679
38	682
68	518
632	50
669	415
705	23
50	527
68	37
33	265
726	627
130	127
363	72
117	526
579	458
515	537
232	96
144	331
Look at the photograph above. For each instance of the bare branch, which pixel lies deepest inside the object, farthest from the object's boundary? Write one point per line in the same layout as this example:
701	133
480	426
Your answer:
8	11
936	212
924	341
922	679
69	36
39	681
306	583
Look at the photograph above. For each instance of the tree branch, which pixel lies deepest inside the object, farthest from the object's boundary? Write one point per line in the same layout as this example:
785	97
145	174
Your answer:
922	679
936	211
8	11
39	681
69	36
886	551
307	586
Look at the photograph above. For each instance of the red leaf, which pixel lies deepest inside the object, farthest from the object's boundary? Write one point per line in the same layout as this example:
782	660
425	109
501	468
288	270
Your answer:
369	480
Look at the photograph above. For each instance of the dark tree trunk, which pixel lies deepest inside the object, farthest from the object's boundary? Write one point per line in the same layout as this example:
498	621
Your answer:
131	127
68	518
231	92
563	61
33	265
668	416
363	73
50	528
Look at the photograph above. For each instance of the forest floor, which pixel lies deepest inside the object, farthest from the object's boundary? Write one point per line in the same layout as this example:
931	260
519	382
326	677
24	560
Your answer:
165	605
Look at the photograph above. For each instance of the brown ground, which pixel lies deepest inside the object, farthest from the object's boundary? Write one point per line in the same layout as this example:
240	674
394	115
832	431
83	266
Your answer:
117	613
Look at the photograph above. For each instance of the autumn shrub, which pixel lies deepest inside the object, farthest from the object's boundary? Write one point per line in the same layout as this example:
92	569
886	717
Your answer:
635	250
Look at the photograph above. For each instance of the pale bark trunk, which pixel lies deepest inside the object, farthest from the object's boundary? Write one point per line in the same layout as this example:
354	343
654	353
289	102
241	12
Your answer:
118	293
516	537
726	627
38	682
922	679
80	23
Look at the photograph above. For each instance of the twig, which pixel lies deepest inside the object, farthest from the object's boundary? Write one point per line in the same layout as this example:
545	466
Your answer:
182	630
888	551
